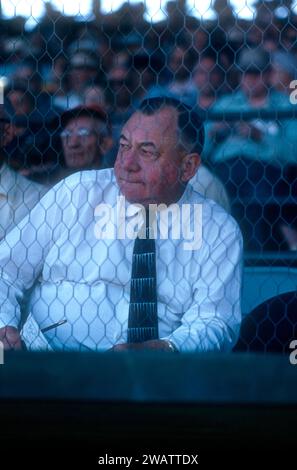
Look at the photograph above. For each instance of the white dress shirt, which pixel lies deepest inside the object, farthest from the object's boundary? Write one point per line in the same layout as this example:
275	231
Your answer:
207	184
18	195
72	274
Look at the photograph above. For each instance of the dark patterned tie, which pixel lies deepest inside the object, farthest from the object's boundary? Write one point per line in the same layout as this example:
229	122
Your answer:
143	315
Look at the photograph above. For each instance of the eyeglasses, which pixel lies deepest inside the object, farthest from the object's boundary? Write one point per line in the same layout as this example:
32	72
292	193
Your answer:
81	132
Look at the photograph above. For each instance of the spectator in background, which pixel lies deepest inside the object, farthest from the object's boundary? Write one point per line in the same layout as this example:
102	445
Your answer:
83	69
56	83
18	195
34	150
180	64
177	77
26	72
86	137
94	95
268	141
144	69
271	39
129	80
288	40
13	50
21	99
201	38
28	76
118	93
284	71
209	79
213	40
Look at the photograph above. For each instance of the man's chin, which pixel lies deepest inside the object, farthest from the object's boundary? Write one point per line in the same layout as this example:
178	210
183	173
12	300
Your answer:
75	166
131	190
133	197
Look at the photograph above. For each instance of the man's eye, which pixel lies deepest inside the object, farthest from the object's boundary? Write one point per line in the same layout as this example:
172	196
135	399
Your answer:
84	132
124	146
149	153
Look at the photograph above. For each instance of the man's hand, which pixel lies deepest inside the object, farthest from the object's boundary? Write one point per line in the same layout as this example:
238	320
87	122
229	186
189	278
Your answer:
154	344
11	338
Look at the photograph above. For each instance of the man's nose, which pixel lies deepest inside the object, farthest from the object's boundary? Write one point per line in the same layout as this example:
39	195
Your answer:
130	160
73	140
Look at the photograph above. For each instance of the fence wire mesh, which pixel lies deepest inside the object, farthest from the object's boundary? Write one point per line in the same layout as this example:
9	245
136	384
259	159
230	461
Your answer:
70	89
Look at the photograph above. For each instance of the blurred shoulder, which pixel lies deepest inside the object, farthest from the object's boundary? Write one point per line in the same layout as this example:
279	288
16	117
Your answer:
90	177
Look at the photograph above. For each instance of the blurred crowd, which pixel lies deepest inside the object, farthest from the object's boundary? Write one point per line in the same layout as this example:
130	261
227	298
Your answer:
73	84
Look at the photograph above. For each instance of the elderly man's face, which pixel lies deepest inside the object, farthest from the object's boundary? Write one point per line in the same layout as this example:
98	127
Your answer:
148	165
81	143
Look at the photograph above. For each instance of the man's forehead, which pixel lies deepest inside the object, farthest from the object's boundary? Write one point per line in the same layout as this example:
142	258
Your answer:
162	121
79	120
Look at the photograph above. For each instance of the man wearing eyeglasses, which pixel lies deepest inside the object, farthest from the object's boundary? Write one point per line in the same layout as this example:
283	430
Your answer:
86	137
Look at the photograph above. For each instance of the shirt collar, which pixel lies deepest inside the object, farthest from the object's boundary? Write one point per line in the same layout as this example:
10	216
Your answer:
131	209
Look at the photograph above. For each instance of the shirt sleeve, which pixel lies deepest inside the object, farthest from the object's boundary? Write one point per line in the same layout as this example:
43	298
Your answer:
24	250
212	322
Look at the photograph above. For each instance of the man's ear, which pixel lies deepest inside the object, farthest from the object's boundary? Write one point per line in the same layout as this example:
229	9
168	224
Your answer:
189	166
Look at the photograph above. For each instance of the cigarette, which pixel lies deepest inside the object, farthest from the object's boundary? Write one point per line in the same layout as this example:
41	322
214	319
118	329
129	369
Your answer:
54	325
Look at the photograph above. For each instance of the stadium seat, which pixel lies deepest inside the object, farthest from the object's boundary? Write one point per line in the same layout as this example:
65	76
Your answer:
269	306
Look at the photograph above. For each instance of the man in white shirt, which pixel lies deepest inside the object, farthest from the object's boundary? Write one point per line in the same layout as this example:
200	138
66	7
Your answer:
18	195
79	280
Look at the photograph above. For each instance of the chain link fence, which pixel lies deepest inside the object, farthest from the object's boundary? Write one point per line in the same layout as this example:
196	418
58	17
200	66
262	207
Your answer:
69	85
